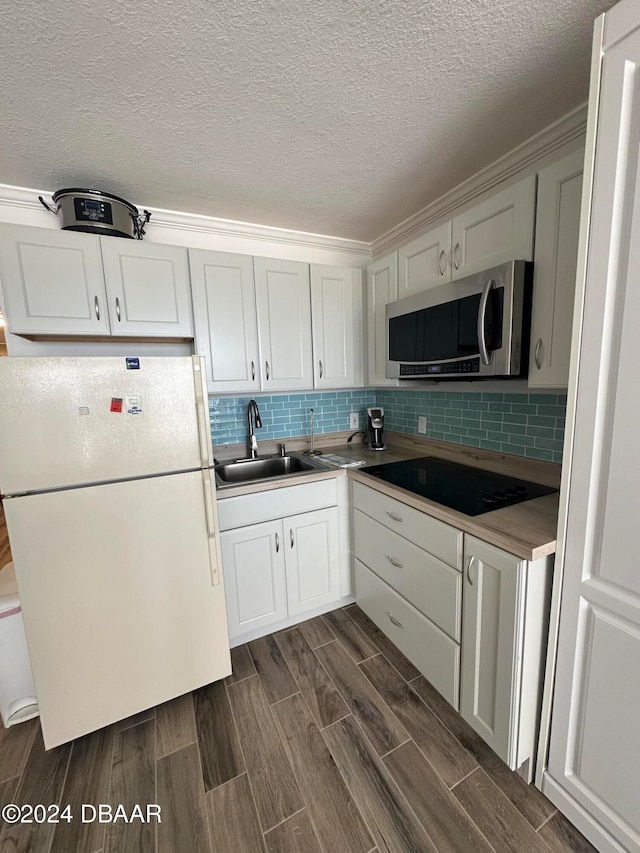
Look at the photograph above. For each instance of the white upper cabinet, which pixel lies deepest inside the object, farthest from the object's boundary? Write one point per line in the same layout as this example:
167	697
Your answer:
497	230
554	277
53	282
225	316
425	262
283	301
382	288
64	283
148	289
333	316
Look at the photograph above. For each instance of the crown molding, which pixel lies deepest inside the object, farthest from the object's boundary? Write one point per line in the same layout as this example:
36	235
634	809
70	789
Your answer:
24	198
567	128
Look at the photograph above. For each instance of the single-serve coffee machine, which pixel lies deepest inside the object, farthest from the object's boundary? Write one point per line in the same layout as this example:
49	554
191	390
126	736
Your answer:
375	429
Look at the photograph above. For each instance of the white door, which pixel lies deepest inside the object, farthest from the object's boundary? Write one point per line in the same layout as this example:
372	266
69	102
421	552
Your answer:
284	324
254	574
595	737
312	559
224	306
53	282
425	262
492	615
554	271
148	288
332	315
382	288
120	606
496	230
68	421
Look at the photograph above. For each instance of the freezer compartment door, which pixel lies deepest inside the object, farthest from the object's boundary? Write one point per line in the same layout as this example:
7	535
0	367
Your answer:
69	421
122	598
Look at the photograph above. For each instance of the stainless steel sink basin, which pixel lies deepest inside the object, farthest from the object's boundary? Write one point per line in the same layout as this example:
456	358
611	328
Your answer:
247	470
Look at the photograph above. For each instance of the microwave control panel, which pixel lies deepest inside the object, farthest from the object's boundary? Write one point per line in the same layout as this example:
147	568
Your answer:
469	365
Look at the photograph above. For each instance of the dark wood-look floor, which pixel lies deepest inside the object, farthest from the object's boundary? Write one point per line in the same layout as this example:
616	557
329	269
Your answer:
324	739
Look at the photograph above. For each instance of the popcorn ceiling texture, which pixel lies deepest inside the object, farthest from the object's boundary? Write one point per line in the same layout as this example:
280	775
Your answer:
338	117
521	424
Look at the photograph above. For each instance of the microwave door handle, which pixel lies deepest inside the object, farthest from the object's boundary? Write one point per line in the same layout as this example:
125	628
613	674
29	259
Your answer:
485	356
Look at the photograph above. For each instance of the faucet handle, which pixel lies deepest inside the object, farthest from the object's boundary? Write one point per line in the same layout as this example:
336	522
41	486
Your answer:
282	449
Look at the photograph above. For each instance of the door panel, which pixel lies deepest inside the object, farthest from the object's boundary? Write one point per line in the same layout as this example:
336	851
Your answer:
382	288
424	263
53	282
312	559
253	560
226	324
120	609
333	327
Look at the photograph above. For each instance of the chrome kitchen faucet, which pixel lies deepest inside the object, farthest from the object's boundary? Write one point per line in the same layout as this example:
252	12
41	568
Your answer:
253	441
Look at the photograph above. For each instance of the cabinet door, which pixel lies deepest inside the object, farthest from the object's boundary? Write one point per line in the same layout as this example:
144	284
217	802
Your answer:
53	282
493	599
424	262
332	321
148	288
554	281
284	324
382	288
313	567
497	230
224	307
254	576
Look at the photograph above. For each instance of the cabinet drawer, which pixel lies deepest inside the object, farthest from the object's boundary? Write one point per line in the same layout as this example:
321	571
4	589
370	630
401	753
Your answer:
275	503
429	584
436	537
427	647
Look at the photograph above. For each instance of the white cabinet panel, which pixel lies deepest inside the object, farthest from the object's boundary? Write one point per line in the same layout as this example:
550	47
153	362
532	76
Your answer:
254	572
554	273
312	559
225	315
497	230
382	288
425	262
332	313
53	282
284	324
491	645
148	288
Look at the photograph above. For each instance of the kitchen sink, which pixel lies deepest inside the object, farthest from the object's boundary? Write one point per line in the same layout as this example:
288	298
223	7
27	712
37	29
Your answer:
264	468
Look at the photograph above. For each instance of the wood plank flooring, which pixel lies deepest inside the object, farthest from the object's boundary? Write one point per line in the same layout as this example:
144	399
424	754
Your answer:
324	740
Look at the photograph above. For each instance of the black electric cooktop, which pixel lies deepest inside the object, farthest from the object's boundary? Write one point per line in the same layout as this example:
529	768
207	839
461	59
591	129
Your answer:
472	491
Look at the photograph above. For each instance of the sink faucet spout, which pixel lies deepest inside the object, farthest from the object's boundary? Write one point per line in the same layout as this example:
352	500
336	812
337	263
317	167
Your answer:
252	408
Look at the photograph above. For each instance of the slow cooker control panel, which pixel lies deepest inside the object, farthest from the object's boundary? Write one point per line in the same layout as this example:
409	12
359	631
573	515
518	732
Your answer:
92	210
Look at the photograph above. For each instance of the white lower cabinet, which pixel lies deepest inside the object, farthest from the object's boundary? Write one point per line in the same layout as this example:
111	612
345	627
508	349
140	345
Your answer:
479	639
292	564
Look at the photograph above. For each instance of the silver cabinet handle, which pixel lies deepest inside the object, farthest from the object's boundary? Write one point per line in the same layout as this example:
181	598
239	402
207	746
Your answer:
394	620
253	371
469	564
455	256
267	365
393	516
441	258
277	543
395	563
536	356
485	358
291	537
321	369
96	305
118	310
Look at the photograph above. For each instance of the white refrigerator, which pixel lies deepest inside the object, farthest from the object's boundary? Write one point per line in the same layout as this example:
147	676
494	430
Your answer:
105	473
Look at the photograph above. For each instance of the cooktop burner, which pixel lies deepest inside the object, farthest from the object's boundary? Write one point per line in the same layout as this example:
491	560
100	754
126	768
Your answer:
472	491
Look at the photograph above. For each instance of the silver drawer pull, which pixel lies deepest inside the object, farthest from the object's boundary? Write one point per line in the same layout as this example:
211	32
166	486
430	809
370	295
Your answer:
394	620
277	544
393	516
536	356
291	539
267	366
96	305
253	371
469	564
441	258
118	310
395	563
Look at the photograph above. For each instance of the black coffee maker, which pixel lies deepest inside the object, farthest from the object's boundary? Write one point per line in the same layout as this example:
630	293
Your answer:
374	437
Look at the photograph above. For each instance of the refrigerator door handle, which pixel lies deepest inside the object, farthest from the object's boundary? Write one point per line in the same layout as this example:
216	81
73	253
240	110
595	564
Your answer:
204	431
209	510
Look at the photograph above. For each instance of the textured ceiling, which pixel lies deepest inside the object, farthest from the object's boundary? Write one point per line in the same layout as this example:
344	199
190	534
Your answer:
332	116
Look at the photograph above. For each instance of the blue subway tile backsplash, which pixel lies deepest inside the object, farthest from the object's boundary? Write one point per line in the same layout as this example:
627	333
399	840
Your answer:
529	425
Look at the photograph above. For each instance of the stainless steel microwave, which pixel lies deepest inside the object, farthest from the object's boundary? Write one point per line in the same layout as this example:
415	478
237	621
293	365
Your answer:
474	328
